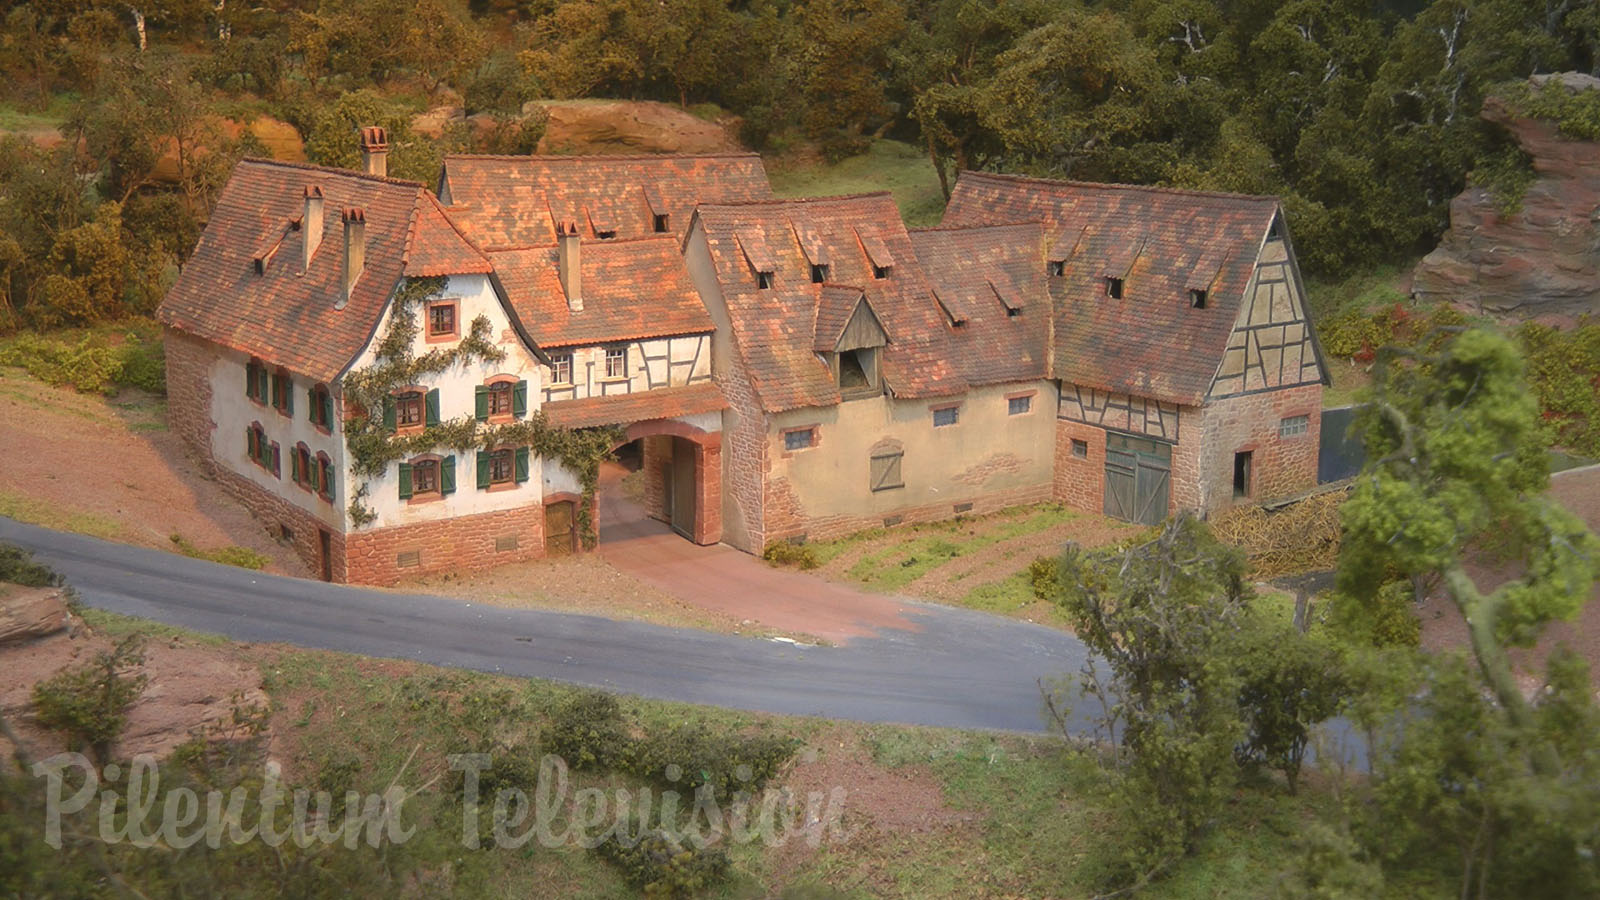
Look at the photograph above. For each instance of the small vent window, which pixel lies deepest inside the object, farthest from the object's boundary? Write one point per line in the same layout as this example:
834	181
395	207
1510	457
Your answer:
1293	426
763	280
1197	298
1114	288
660	223
819	274
880	272
606	235
1080	449
949	415
1058	267
799	439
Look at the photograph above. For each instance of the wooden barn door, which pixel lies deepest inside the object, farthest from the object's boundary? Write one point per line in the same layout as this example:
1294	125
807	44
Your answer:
560	531
682	492
1138	479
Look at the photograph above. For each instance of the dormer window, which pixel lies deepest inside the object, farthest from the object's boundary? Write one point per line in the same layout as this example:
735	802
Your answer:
660	223
819	274
1058	268
605	235
1013	311
1114	288
763	280
881	272
1197	298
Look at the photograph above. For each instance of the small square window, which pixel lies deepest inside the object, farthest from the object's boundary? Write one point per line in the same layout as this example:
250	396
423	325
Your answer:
616	362
819	274
1294	425
880	272
425	477
1197	298
502	467
499	399
1058	267
1017	406
763	280
661	223
441	320
800	439
561	368
1114	288
408	409
1080	449
948	415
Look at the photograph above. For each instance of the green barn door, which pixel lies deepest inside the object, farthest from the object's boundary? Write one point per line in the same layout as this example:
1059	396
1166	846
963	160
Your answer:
1138	479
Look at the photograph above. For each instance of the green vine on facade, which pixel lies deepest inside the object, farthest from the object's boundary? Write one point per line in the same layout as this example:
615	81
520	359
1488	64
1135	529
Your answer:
373	447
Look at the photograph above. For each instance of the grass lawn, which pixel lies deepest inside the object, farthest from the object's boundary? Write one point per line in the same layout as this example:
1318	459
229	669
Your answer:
887	165
927	813
28	119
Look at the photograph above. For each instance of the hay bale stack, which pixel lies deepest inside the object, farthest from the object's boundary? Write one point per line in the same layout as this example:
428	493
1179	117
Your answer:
1300	537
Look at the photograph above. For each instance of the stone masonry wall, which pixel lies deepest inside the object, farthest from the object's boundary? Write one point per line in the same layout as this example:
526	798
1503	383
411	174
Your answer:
1080	482
744	464
1280	466
461	544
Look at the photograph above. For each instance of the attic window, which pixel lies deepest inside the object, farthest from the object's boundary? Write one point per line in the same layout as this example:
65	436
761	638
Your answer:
1013	311
606	235
1275	233
880	272
1058	267
660	222
819	273
1114	288
1197	298
763	280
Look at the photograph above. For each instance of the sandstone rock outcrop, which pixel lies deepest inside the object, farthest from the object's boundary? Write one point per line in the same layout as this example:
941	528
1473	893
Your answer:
1542	261
619	126
27	613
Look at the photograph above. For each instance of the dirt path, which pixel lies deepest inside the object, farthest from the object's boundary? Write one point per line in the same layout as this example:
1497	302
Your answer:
109	467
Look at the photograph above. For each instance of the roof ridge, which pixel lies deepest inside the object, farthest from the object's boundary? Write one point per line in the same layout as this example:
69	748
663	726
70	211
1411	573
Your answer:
1030	223
580	157
594	242
1113	185
416	218
779	201
330	170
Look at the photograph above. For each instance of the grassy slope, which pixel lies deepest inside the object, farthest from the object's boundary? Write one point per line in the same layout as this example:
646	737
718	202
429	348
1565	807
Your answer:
888	165
1033	821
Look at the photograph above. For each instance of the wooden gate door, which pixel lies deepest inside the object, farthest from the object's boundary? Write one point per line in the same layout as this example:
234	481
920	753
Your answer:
1138	479
559	532
683	487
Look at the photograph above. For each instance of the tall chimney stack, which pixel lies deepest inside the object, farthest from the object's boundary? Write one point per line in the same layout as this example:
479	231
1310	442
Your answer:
569	262
375	150
355	250
310	227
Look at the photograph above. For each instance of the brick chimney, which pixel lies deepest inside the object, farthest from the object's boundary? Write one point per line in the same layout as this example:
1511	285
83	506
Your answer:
375	150
311	227
569	262
355	250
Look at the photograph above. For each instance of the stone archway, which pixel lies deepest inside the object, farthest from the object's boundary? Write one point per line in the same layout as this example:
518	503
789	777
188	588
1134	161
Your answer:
681	459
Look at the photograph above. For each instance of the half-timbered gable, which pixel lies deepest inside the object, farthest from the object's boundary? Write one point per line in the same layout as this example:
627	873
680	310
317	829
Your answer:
1272	344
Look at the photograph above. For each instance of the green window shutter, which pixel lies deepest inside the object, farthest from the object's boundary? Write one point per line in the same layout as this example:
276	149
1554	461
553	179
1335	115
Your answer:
327	411
314	477
388	413
522	464
276	387
447	475
250	442
405	481
250	381
277	461
313	409
483	471
261	383
519	399
294	466
431	409
288	395
480	400
325	485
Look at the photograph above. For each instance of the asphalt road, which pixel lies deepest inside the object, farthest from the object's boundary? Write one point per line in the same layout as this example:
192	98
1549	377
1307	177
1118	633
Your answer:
962	669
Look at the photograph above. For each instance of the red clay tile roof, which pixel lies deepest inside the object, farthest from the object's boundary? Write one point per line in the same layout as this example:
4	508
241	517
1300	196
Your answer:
979	275
640	406
632	289
775	329
290	319
515	201
1150	342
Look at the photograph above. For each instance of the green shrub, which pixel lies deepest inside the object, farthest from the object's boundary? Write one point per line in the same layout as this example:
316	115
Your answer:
787	553
144	365
1042	573
588	731
89	364
231	555
89	704
661	865
1564	372
728	763
17	567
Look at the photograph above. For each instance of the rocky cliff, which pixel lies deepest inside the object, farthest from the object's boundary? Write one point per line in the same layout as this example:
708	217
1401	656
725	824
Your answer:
1543	261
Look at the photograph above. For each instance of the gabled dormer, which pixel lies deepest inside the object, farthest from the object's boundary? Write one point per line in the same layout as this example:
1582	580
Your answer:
850	338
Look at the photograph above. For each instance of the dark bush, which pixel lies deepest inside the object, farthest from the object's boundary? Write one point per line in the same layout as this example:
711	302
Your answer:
588	731
661	865
787	553
89	704
1042	574
727	762
17	567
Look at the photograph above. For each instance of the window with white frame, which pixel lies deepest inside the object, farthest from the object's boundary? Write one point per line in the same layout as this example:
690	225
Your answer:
561	368
1294	426
616	362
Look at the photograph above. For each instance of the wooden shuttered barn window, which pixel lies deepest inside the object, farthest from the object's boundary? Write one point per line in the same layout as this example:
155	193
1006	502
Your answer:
885	471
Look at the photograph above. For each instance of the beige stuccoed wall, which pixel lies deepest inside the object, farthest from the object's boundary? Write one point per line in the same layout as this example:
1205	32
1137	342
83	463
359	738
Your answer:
985	452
